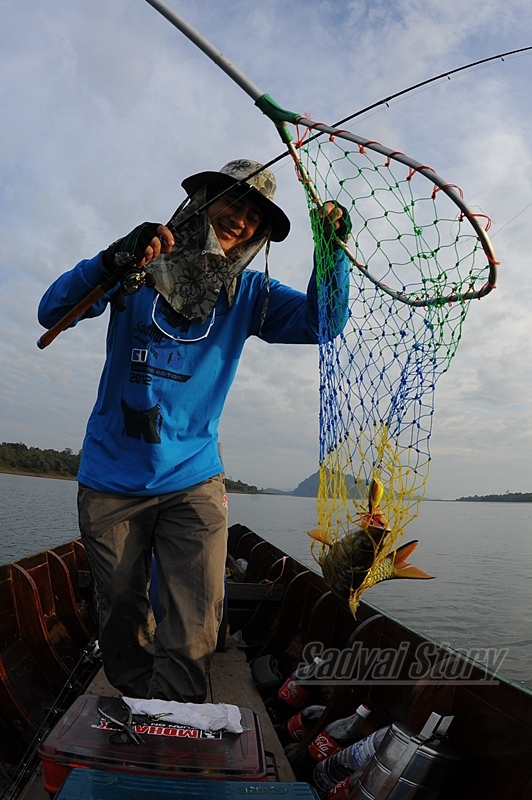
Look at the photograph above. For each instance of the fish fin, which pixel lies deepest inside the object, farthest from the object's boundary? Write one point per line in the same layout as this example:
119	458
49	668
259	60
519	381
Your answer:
401	569
354	602
320	536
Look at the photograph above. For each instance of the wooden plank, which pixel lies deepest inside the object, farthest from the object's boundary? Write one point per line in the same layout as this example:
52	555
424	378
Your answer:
237	572
101	687
255	591
34	789
231	683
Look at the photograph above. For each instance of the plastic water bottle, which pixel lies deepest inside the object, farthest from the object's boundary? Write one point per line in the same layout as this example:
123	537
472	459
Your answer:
333	738
350	761
299	725
293	694
336	735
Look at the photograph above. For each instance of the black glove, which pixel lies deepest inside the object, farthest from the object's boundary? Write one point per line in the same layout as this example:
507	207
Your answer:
330	230
345	227
129	251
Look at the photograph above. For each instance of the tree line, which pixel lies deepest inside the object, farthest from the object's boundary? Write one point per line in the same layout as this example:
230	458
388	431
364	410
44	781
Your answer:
509	497
18	457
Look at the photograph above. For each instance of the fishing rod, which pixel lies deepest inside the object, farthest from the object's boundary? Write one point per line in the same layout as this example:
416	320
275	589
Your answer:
395	95
281	117
415	86
128	275
85	303
79	678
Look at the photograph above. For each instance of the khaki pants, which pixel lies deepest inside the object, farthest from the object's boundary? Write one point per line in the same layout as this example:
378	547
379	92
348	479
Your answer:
187	531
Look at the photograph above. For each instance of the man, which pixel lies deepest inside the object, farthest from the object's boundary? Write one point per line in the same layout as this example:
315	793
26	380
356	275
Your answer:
150	476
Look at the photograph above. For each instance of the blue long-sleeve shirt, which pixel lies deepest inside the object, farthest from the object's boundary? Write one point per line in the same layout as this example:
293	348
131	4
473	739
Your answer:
154	426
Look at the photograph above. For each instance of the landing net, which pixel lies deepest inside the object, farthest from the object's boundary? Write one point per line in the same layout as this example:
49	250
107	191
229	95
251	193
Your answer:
415	261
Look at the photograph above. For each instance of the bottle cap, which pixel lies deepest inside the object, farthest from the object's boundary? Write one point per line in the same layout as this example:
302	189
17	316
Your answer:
363	711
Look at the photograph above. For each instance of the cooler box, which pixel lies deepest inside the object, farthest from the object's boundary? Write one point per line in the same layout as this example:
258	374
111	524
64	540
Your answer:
82	738
89	784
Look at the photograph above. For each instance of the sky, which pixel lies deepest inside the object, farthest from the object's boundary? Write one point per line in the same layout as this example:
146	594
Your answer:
106	107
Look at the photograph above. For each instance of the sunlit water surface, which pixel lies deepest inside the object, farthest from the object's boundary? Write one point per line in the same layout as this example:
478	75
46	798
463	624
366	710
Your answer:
479	553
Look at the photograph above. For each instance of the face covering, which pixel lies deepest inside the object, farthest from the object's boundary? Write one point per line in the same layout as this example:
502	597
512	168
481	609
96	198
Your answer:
191	277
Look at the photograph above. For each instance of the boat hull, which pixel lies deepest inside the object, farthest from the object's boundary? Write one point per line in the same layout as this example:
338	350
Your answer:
282	614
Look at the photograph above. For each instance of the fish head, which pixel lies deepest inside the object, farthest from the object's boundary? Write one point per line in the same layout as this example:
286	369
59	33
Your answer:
376	528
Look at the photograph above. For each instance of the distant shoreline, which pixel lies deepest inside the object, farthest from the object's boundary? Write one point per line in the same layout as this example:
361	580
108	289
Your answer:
57	476
54	475
514	497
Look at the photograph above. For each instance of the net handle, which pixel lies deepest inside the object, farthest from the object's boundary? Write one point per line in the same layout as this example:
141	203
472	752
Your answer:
263	100
279	116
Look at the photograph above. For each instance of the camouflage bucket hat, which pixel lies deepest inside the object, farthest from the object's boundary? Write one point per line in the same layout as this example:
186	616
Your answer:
262	183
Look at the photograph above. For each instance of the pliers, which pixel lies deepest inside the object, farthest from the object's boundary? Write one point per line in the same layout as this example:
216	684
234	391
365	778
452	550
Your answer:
122	719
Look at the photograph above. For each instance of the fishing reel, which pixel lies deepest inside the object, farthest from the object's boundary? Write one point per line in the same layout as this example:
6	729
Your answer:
132	282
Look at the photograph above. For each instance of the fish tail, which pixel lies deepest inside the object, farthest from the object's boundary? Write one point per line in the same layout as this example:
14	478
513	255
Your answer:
401	568
320	536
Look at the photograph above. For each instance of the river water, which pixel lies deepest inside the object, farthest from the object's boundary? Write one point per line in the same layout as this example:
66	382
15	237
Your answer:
479	553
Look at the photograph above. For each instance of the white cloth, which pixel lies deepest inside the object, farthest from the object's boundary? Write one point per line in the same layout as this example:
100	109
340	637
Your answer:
202	716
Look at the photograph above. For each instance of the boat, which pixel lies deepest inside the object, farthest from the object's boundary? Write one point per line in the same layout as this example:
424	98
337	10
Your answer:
279	614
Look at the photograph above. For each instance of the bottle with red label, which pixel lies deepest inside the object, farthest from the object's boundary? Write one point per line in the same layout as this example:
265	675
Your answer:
342	790
346	765
293	694
332	739
299	725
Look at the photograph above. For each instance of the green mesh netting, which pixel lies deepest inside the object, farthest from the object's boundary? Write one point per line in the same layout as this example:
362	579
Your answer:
411	247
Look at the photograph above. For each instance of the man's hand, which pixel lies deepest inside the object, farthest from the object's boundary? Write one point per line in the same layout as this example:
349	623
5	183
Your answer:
145	243
335	220
161	243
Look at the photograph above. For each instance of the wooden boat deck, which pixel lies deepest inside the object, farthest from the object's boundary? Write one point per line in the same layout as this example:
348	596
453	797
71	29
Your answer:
277	607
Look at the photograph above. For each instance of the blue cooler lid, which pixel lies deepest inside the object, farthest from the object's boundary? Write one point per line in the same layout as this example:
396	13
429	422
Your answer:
90	784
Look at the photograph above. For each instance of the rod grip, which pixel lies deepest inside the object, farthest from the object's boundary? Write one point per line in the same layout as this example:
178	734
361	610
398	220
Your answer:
70	317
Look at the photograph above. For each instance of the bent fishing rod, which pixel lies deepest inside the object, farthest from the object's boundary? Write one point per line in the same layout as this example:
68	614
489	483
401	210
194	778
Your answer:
281	117
127	274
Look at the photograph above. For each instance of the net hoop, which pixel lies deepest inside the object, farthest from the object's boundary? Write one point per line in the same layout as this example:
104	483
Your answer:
449	189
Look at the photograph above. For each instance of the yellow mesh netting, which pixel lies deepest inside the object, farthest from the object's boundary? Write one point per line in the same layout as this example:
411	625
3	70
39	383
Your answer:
410	248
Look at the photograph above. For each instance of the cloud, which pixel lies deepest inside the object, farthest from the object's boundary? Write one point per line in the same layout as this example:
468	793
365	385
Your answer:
106	107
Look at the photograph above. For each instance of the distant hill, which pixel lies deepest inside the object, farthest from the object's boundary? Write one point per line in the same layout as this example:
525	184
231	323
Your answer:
309	487
239	487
